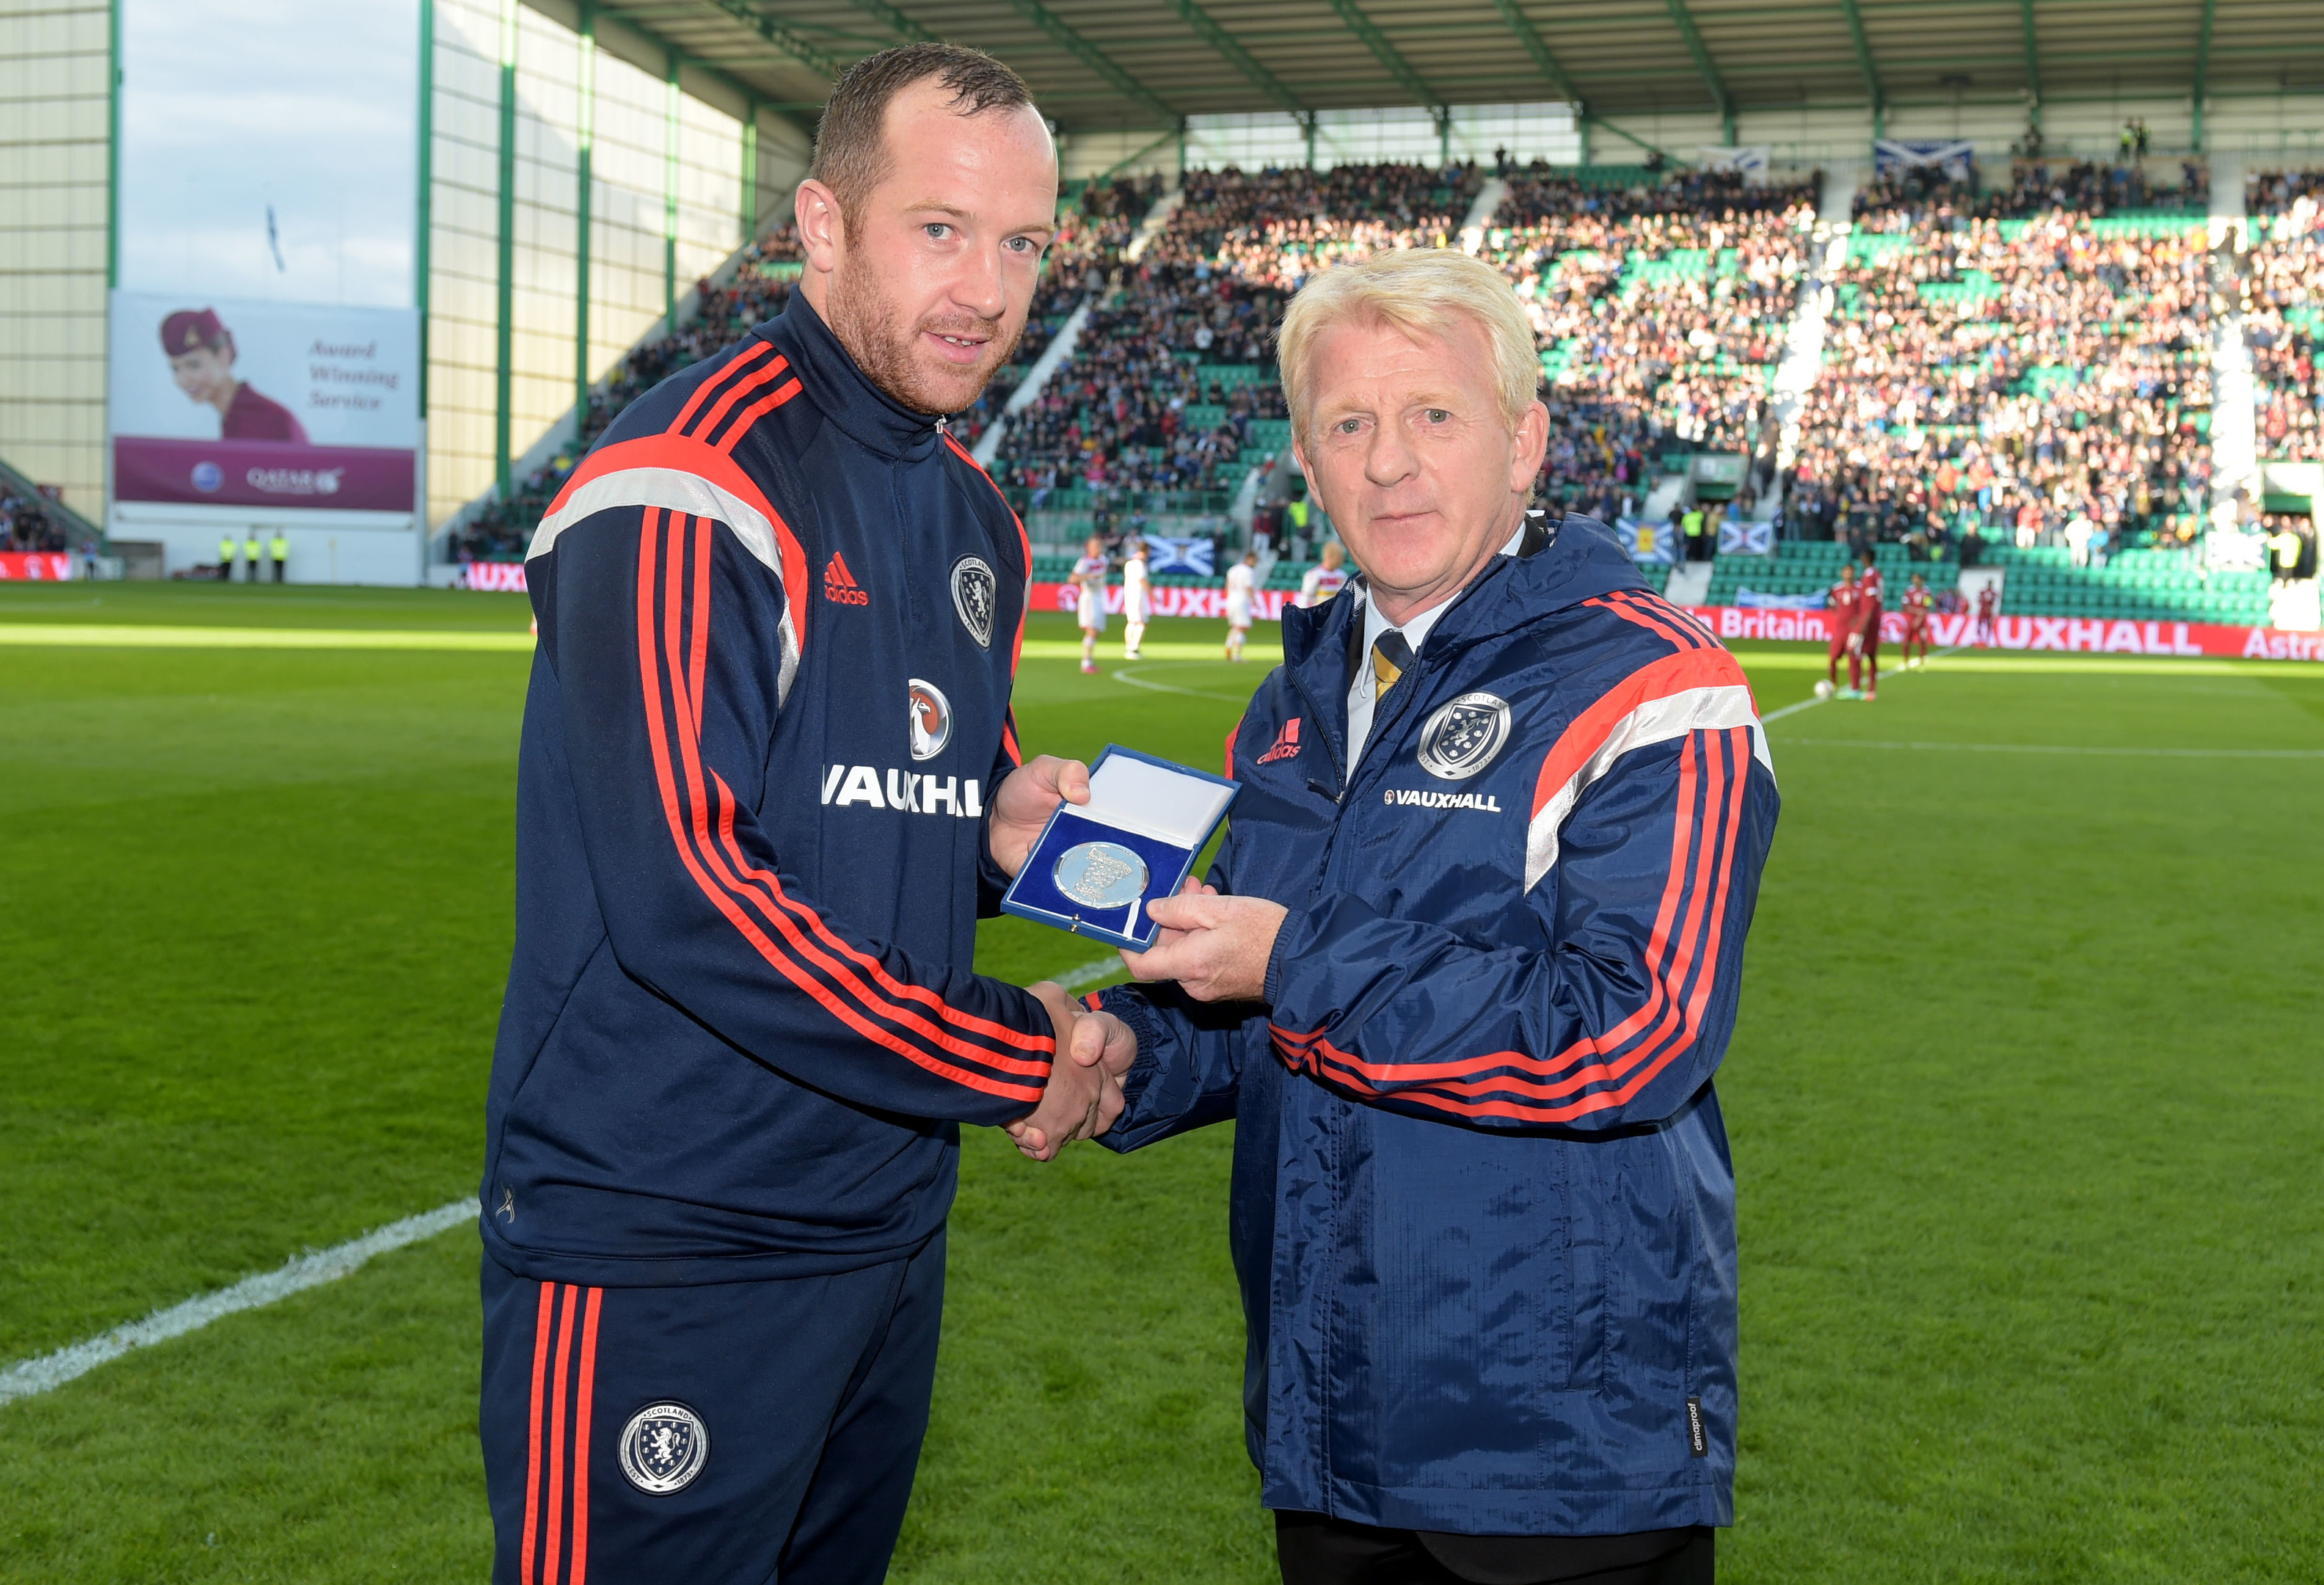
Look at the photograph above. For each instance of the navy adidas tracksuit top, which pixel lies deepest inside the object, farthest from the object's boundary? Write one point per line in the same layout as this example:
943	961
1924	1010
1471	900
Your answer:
1483	1210
780	617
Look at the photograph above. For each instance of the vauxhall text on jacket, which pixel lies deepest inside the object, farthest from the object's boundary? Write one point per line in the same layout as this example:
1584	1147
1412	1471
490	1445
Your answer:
779	616
1482	1208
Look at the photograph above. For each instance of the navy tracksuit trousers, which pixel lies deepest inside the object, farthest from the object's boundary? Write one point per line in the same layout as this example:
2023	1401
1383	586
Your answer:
754	1432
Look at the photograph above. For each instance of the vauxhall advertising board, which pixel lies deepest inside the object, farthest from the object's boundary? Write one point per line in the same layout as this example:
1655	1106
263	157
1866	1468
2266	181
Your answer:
284	406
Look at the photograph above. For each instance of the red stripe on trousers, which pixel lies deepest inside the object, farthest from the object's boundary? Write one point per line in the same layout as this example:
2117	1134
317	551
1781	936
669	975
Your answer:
585	1395
557	1441
540	1327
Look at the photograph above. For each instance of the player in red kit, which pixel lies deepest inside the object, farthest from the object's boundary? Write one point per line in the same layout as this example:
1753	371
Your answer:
1918	604
1988	602
1864	646
1840	604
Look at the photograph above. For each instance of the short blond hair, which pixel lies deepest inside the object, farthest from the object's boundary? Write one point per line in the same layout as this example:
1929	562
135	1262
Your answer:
1421	291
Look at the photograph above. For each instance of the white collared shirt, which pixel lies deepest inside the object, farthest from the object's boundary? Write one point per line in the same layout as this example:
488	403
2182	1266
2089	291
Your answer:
1362	694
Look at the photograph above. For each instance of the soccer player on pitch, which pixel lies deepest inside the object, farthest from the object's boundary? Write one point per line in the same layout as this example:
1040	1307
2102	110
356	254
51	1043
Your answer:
1326	578
1864	646
1089	576
1841	602
768	780
1137	600
1989	606
1243	584
1918	604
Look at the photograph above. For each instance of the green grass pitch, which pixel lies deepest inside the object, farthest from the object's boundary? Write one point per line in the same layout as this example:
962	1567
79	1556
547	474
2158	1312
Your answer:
2024	1101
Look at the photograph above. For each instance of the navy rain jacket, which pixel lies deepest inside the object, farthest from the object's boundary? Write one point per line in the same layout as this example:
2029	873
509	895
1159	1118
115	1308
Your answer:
780	617
1482	1211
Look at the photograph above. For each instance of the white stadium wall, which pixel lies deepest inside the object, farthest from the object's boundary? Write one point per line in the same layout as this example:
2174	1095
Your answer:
667	206
53	139
670	162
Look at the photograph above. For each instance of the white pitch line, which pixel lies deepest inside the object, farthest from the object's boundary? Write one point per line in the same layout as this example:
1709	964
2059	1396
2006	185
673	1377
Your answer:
1090	974
29	1377
1135	681
1811	702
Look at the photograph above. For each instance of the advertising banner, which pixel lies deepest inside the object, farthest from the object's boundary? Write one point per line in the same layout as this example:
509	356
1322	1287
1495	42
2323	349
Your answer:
2065	634
1265	606
46	566
502	578
285	406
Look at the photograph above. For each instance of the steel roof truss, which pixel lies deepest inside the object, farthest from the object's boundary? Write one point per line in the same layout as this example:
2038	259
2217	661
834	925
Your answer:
1387	54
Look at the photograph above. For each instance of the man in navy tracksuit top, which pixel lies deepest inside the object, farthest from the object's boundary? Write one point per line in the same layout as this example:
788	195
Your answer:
768	782
1473	956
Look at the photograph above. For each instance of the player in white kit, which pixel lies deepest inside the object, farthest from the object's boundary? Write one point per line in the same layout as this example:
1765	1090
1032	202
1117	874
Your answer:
1243	584
1137	600
1089	575
1322	582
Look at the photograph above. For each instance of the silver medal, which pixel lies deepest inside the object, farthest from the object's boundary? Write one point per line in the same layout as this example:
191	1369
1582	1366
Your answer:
1101	875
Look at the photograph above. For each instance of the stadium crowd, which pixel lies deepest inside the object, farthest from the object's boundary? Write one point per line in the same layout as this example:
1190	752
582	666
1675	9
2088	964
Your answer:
1661	311
1176	360
2283	300
1089	243
2037	376
2016	364
25	524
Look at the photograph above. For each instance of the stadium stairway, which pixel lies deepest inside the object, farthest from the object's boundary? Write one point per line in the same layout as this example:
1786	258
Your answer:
1029	390
1061	346
2235	437
1481	215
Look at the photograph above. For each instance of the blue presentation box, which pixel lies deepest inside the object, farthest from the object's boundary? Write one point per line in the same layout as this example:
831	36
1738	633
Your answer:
1098	864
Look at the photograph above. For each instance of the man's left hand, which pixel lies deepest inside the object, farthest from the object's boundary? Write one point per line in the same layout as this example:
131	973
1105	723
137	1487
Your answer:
1022	804
1215	947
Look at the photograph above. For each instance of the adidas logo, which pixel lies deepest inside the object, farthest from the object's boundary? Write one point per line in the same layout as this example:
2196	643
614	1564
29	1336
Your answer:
1285	745
839	585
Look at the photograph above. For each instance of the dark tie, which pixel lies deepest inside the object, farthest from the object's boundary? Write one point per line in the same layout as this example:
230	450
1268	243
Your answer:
1391	658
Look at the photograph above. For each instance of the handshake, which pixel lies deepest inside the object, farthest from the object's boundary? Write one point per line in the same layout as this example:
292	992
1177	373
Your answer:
1094	1050
1214	948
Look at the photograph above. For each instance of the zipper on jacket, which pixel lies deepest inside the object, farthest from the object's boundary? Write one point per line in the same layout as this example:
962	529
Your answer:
1329	753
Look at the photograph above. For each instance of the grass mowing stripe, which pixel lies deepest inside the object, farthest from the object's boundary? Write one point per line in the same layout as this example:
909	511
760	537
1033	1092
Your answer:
1842	742
31	1376
92	636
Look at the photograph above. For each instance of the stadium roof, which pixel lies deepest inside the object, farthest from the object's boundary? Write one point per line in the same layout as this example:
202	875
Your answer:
1130	64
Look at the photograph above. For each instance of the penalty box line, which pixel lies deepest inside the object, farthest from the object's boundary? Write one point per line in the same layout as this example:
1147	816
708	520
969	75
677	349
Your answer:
29	1378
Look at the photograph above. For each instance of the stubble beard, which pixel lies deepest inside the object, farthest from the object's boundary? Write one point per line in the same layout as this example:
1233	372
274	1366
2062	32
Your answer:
872	329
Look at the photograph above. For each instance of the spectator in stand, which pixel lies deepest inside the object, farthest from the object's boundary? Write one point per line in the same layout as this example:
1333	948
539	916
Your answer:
1996	359
2280	293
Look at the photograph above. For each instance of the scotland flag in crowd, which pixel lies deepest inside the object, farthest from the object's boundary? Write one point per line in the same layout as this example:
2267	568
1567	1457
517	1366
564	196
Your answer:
1745	539
1185	557
1648	542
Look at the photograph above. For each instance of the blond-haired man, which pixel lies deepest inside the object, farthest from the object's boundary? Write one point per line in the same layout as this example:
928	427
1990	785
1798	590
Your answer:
1463	971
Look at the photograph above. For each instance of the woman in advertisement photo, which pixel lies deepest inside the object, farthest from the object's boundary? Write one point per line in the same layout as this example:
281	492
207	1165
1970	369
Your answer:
200	350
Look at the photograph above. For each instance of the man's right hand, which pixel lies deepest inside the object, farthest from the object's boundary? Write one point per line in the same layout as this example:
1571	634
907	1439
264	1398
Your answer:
1085	1092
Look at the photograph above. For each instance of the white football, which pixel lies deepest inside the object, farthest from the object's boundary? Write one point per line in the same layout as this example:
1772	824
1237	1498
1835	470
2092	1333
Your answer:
1823	688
